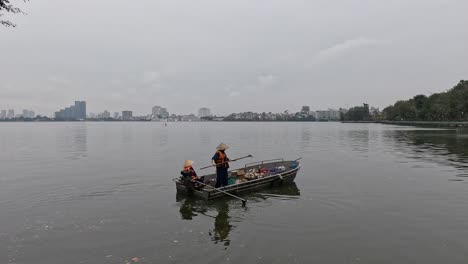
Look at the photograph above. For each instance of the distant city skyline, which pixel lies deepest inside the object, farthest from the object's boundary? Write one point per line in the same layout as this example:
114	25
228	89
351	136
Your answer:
156	110
78	112
196	111
200	112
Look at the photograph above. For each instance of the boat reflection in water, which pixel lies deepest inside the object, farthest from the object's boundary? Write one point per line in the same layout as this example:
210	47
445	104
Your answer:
222	227
286	190
191	207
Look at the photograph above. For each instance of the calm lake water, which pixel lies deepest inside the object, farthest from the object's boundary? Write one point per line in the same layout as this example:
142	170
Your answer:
102	193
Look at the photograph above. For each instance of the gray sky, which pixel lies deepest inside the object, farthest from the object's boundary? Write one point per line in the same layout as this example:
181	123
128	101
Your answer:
231	56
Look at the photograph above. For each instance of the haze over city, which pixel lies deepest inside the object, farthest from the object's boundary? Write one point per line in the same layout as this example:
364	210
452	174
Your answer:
231	56
233	131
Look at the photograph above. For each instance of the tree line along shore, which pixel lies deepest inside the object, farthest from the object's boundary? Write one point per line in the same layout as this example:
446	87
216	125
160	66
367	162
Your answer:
445	109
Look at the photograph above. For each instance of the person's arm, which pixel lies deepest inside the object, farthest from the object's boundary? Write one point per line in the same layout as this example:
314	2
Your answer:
184	173
214	158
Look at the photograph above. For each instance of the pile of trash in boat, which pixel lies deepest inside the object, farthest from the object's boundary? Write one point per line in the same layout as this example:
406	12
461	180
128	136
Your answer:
241	175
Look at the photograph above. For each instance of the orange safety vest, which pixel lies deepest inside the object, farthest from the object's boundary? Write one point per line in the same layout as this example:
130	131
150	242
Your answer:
222	158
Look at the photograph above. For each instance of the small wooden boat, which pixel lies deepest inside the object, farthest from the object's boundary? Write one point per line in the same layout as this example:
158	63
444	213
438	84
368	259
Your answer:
274	173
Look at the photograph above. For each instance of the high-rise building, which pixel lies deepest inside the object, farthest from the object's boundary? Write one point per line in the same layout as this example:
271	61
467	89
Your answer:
164	113
28	113
156	111
203	112
80	110
3	114
70	113
104	115
74	112
127	115
116	115
11	113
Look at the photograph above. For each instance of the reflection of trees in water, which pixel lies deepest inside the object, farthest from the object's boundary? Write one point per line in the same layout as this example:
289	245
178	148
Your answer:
305	137
452	145
358	140
440	142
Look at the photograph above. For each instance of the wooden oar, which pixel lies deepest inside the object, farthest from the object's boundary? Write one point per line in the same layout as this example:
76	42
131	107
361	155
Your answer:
213	165
230	194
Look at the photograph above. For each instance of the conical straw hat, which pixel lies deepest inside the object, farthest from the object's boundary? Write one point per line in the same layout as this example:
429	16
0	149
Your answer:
188	163
222	146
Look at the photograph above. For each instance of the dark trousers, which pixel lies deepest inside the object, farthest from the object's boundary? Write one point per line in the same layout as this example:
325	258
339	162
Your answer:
221	177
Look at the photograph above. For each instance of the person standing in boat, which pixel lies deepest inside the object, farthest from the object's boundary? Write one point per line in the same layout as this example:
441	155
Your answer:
221	161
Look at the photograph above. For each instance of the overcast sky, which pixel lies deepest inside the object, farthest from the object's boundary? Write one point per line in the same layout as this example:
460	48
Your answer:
231	56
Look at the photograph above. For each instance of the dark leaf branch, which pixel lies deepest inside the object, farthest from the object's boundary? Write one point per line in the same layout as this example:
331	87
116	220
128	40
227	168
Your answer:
7	7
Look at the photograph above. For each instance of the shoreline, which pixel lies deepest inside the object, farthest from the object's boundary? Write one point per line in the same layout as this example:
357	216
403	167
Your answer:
435	124
450	124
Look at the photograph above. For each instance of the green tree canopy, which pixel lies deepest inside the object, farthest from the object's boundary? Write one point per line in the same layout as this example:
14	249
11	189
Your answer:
357	113
451	105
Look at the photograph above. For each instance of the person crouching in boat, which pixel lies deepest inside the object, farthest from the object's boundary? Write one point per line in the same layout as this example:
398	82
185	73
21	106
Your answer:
189	176
220	160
